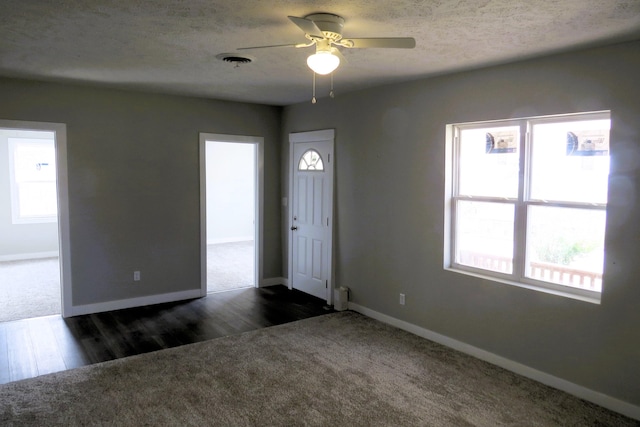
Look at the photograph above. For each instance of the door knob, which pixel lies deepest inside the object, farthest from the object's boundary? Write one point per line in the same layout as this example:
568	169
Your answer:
294	228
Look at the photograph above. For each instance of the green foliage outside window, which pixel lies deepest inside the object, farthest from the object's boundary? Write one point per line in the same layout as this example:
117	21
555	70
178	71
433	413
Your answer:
559	250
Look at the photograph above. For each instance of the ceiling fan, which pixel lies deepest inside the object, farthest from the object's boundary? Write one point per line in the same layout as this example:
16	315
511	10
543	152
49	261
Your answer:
324	30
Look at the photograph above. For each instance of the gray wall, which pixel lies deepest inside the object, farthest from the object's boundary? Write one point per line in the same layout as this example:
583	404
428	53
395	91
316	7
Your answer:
20	239
134	181
390	155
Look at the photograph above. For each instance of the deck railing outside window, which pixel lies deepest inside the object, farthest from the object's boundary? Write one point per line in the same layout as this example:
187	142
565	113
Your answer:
555	273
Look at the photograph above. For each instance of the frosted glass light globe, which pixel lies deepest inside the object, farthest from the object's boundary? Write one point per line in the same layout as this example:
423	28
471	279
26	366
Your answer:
323	62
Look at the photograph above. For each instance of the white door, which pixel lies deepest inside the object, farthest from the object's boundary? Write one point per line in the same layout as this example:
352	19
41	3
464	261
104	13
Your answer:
311	214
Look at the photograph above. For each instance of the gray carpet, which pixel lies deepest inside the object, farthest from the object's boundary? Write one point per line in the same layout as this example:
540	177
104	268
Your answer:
29	288
230	266
340	369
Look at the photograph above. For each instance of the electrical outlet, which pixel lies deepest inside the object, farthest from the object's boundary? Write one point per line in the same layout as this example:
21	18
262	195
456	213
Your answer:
401	299
136	276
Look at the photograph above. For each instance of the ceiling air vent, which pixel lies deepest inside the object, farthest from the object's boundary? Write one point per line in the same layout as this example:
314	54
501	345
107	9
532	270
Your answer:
234	58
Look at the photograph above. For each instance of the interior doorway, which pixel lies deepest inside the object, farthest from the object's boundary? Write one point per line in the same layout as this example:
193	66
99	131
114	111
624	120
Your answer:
231	211
34	257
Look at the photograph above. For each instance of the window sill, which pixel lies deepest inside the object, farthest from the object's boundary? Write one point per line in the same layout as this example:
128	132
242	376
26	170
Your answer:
35	220
556	292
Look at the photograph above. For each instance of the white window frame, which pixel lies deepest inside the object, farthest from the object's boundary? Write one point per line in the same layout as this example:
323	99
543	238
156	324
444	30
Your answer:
16	215
521	204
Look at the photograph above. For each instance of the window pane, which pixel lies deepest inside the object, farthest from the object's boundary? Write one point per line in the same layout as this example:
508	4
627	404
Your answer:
34	159
37	199
570	161
484	235
566	246
489	162
311	161
33	178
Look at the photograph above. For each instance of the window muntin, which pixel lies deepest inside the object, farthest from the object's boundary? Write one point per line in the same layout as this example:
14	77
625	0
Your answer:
311	161
536	214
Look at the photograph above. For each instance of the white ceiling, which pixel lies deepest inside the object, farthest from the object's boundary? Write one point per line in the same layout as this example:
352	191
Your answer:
170	46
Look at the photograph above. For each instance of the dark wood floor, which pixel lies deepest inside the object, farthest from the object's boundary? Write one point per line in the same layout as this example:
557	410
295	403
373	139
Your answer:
33	347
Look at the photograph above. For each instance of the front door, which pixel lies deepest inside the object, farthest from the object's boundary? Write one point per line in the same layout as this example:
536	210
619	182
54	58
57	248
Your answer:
311	213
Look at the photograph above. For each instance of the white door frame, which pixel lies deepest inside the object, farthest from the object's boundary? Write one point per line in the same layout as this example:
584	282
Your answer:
258	141
312	136
64	247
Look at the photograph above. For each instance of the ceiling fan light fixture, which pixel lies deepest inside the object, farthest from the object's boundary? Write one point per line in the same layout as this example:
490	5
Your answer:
323	62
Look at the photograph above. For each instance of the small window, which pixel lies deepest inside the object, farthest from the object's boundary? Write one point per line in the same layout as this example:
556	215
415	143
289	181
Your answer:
32	169
311	161
527	201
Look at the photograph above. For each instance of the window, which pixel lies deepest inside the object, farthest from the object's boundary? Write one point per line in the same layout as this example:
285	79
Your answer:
527	201
311	161
32	169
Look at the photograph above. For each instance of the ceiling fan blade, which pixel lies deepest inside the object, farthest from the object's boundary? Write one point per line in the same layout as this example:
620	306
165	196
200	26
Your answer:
335	51
264	47
391	42
309	27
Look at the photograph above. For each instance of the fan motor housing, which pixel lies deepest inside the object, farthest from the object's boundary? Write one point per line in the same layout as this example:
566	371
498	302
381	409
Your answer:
331	25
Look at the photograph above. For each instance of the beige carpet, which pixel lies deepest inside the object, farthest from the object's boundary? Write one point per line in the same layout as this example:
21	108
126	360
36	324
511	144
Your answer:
230	266
339	369
29	288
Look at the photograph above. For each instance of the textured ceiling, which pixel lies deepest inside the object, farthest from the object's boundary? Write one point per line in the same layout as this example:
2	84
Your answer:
171	45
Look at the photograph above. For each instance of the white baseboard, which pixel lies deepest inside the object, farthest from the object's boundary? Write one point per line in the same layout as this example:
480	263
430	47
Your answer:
134	302
271	282
33	255
598	398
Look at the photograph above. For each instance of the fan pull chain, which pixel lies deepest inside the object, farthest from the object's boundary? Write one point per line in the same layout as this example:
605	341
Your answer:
313	99
331	94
